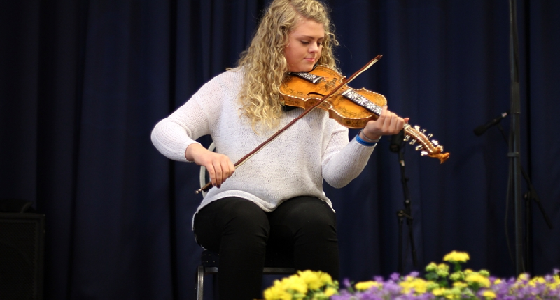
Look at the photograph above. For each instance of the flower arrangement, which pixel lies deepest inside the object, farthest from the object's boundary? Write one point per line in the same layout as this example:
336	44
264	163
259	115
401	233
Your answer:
439	282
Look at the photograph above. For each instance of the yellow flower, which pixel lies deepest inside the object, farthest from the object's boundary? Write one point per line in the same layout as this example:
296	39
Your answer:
276	292
438	292
537	280
430	285
453	293
555	283
479	279
431	267
455	276
455	256
460	285
420	286
442	270
365	285
295	283
488	294
325	278
299	285
330	291
311	279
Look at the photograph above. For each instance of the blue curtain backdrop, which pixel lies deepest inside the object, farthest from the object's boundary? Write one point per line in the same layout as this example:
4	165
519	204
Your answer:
83	82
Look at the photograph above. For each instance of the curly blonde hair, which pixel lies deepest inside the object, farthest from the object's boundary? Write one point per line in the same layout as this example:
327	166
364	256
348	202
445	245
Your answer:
264	64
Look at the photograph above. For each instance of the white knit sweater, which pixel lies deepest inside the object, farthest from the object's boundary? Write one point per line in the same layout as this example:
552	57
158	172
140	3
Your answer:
294	164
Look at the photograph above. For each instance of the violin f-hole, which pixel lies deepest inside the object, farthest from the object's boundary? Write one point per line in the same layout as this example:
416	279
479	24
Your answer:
315	94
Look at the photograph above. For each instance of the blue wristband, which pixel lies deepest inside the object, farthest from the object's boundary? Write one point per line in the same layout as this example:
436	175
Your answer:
361	141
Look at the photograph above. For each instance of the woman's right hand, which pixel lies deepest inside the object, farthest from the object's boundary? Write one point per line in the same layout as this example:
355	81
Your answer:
219	166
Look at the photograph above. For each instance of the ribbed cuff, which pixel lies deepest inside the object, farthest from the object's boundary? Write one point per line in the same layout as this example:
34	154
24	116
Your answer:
361	141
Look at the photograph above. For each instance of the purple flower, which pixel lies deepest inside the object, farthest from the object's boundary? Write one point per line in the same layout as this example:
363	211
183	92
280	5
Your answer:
414	274
378	278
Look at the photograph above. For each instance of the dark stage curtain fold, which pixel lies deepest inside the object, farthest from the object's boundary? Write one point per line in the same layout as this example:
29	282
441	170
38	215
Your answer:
82	83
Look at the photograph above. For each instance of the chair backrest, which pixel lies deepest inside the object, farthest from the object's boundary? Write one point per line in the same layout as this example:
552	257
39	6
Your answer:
202	175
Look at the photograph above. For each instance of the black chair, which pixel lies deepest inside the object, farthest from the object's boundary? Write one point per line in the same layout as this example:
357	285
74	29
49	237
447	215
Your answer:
275	263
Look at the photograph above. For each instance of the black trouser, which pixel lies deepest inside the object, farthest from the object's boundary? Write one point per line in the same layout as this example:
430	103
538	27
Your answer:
240	231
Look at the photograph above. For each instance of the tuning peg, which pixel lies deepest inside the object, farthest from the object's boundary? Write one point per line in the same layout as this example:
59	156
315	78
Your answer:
430	135
417	127
423	130
412	142
406	138
435	142
423	153
419	147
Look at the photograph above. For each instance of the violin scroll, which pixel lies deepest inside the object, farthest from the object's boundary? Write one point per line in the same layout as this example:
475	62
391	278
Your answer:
432	148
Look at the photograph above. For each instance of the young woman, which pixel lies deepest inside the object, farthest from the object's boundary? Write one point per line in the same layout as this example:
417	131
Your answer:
275	199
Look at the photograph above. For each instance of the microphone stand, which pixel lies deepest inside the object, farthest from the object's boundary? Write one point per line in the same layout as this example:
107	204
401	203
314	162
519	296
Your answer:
405	213
530	196
514	146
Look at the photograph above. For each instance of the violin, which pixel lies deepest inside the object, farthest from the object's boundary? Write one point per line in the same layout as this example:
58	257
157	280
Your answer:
352	108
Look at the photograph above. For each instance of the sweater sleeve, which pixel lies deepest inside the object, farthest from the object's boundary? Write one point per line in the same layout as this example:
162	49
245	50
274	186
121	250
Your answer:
172	135
344	161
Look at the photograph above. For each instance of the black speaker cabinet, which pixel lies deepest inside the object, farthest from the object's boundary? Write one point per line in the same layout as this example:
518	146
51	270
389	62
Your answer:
22	238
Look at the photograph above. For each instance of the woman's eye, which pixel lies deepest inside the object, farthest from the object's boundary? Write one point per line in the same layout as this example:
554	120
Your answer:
305	42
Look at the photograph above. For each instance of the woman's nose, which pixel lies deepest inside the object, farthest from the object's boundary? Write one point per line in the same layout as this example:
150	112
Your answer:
314	47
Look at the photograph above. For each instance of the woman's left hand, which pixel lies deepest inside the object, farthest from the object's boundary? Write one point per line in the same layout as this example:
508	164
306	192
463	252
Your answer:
387	123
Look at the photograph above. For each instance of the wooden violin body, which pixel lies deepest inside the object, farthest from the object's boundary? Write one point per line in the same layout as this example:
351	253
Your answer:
352	108
300	90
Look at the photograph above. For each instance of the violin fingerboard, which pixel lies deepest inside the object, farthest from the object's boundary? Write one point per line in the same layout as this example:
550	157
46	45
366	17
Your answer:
351	95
